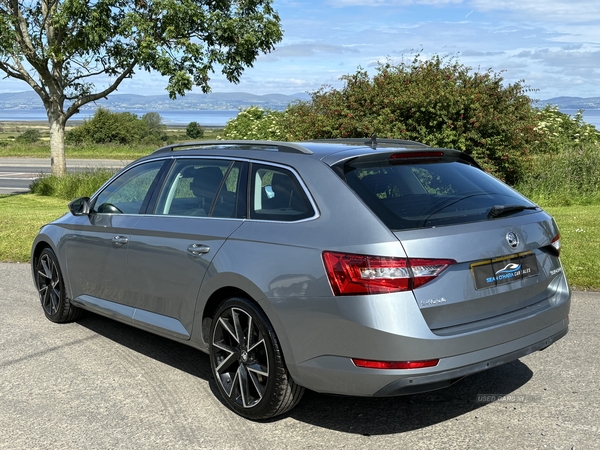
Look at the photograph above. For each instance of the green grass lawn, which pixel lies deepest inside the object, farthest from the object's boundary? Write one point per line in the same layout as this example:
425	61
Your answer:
21	217
580	239
41	149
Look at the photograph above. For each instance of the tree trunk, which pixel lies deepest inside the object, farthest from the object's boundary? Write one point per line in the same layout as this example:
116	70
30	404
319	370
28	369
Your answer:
58	162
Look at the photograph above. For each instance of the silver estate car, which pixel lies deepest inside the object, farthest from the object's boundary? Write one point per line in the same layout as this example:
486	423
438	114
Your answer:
356	267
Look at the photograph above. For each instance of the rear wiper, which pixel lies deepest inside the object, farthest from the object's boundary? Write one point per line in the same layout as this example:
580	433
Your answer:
501	210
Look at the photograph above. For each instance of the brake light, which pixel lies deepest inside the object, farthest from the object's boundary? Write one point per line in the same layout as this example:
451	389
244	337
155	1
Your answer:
351	274
368	364
556	244
408	155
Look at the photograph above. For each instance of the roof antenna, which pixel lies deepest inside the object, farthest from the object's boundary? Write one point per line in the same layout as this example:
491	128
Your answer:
374	141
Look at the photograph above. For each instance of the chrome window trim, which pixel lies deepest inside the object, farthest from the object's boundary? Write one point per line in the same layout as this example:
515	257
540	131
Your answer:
172	157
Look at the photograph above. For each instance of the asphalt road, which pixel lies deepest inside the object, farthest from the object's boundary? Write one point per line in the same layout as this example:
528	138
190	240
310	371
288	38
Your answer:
98	384
16	174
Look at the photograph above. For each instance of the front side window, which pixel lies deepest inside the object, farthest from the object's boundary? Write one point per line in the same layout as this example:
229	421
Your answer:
130	191
201	188
276	194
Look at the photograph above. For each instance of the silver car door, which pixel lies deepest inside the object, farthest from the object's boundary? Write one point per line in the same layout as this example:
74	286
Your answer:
170	251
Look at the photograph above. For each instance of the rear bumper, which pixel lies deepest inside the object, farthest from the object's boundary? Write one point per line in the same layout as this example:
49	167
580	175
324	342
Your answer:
338	375
430	382
320	336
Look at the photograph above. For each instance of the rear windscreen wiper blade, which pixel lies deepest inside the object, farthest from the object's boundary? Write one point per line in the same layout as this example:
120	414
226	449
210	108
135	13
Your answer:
500	210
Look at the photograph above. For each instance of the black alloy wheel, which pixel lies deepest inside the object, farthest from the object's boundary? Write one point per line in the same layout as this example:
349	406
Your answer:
50	286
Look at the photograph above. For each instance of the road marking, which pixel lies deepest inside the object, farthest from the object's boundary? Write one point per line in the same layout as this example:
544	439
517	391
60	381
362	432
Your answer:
18	176
14	190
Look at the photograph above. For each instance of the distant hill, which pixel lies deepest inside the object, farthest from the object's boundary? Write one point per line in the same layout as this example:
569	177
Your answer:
126	102
223	101
572	102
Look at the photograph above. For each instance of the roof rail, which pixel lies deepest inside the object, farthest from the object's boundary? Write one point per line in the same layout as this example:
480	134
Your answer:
373	142
286	147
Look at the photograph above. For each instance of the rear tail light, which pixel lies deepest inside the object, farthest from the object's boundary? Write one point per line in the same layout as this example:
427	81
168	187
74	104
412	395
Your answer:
556	244
351	274
369	364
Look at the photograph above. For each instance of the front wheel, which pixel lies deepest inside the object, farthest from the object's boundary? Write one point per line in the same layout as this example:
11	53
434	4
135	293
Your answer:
247	362
49	282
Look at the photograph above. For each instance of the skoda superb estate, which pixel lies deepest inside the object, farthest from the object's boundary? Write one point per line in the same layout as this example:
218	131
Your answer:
354	267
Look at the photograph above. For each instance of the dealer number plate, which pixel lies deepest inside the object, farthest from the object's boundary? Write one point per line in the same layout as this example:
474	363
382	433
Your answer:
495	272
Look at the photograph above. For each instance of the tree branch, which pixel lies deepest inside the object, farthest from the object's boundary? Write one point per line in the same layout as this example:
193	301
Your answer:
74	108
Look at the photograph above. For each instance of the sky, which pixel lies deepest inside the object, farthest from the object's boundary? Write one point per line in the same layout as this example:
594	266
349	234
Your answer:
553	45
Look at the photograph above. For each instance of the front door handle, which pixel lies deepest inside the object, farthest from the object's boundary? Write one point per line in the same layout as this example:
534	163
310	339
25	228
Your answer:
120	240
198	249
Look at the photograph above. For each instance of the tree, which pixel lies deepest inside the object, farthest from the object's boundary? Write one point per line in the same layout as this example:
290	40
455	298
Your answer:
194	131
155	124
439	102
61	48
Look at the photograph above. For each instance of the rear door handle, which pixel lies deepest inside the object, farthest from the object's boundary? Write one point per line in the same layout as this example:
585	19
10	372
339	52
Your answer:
120	240
198	249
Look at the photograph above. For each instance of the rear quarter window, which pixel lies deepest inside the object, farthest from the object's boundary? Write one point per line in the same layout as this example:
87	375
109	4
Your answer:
276	194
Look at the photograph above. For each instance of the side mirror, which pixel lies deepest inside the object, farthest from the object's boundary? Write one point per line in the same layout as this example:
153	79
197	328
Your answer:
80	206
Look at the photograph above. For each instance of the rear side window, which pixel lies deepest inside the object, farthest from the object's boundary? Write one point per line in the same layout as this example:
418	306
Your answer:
420	195
201	188
276	194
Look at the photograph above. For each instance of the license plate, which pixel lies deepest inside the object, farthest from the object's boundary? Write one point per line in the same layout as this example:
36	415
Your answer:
496	272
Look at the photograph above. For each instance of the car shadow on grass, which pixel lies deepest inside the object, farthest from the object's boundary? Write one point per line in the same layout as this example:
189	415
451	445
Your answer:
365	416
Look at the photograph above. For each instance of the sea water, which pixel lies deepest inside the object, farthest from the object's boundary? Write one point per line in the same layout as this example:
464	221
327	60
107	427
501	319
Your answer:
206	118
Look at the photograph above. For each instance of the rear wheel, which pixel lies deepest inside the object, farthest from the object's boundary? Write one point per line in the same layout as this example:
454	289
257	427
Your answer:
247	362
49	282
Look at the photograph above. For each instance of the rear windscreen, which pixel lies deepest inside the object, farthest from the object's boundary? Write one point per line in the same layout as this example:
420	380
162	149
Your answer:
420	195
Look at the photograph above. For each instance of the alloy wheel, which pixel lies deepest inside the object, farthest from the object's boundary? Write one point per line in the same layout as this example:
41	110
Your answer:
49	284
241	360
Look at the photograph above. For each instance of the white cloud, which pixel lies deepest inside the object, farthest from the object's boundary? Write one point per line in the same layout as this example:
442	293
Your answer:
554	45
308	49
560	11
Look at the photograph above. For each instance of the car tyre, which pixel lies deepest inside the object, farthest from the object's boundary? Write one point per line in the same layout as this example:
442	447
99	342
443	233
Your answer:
247	362
51	288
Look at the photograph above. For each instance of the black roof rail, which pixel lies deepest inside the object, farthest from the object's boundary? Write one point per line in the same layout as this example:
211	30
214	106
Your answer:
373	142
286	147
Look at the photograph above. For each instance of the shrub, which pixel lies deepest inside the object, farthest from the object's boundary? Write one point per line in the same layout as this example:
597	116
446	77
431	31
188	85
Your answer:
194	131
30	136
439	102
560	131
71	186
119	128
255	123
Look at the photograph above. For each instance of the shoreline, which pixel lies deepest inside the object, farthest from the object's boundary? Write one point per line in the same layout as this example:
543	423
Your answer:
13	124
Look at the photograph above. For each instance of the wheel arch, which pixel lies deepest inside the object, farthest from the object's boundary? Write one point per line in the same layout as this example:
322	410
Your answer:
239	287
37	248
213	303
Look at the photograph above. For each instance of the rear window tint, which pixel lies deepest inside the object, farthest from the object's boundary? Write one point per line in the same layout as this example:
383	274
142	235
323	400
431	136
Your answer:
406	196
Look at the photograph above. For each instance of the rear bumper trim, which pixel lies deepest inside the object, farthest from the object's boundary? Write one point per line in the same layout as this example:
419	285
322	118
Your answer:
425	383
